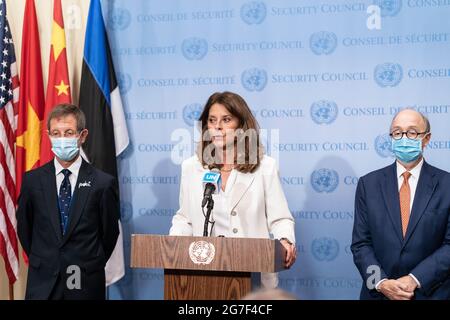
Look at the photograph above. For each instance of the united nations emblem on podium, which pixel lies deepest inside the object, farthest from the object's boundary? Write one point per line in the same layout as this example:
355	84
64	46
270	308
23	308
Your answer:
202	252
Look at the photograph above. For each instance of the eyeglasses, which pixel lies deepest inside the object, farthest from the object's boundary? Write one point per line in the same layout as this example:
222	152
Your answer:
67	134
410	134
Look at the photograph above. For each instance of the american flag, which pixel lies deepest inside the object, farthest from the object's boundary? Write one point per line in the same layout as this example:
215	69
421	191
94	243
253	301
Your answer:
9	96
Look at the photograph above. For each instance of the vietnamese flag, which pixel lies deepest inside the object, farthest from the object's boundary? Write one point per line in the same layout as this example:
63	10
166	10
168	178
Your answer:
31	97
58	87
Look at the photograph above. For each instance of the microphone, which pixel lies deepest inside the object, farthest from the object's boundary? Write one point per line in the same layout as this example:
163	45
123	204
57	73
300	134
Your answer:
211	184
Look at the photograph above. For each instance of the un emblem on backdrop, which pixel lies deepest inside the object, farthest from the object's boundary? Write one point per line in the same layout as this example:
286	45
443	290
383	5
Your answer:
324	180
325	249
118	18
388	74
253	12
324	111
191	113
389	8
194	48
254	79
124	82
383	145
323	42
126	211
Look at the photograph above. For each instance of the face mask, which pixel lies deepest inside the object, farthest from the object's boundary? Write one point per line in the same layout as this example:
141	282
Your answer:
65	148
407	150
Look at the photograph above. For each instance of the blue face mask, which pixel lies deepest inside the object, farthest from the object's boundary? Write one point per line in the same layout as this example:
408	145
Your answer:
407	150
65	148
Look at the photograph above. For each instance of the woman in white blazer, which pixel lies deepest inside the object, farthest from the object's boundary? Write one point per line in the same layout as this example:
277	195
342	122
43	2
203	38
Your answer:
250	202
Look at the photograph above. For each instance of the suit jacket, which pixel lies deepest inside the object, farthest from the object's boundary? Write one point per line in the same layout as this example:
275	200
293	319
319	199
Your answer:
257	205
89	240
377	233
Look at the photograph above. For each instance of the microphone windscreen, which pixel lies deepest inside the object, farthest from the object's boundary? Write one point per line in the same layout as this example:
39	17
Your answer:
212	177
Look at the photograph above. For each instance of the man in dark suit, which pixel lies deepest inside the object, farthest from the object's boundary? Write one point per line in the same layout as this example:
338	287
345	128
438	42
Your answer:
67	217
401	232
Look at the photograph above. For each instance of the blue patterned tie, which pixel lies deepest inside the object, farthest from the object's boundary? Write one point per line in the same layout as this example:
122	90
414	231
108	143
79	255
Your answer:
65	195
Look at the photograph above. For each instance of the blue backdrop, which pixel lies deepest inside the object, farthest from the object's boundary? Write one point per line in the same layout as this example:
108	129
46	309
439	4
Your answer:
324	79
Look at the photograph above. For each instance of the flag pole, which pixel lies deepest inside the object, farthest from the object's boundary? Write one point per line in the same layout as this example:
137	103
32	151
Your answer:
11	291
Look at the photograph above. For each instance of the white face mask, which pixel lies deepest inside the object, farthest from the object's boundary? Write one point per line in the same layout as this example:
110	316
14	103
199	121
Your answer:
65	148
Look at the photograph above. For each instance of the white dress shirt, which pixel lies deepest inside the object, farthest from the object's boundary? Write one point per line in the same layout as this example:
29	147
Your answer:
413	180
74	169
221	211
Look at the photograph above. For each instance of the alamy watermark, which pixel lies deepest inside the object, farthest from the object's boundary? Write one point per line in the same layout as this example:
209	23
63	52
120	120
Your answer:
374	278
73	281
373	21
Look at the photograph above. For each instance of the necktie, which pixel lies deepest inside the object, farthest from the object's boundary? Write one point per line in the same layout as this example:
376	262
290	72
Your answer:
65	195
405	200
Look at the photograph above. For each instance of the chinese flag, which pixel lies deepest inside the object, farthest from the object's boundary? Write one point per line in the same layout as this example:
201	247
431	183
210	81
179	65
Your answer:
31	97
58	87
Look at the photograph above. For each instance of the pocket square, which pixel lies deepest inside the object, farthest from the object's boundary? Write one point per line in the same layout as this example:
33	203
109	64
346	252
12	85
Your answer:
84	184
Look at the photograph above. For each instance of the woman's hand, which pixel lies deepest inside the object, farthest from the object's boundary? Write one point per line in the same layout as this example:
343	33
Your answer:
291	253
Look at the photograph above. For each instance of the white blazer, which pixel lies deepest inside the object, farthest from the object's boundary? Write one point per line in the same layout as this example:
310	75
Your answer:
257	205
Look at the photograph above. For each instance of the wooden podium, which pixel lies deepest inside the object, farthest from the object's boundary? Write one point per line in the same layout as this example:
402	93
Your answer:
206	268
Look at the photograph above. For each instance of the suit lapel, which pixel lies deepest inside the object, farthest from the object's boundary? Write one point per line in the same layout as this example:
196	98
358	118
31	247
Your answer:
391	197
425	189
240	187
80	196
50	193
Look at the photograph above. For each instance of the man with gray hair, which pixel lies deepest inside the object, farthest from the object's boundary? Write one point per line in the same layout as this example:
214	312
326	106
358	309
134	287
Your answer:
67	216
401	231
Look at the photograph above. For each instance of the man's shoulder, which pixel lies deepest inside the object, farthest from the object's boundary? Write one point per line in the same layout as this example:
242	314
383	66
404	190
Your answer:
47	168
378	173
436	171
99	174
439	175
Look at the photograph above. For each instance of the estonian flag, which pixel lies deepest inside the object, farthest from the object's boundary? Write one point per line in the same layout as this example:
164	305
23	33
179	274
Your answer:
100	100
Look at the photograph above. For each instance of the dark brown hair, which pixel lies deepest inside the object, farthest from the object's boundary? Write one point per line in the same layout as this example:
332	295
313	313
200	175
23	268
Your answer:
66	109
237	106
